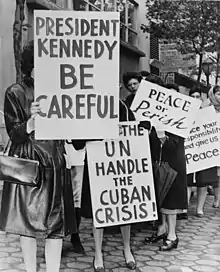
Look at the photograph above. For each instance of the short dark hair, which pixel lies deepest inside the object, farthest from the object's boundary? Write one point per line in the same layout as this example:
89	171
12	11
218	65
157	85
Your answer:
155	79
129	75
172	86
195	89
144	73
27	59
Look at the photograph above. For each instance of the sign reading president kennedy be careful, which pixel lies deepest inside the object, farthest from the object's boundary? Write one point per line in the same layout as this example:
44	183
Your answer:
77	74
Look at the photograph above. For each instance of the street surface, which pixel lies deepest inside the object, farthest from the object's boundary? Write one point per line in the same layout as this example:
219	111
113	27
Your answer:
198	250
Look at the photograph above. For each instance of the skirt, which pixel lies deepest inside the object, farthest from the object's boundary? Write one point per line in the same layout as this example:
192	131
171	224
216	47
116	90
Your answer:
203	178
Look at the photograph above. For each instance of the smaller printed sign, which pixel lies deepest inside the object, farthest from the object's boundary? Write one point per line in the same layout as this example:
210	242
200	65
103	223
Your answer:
202	146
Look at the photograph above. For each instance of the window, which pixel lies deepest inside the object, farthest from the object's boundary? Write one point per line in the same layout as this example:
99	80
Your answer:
61	3
127	9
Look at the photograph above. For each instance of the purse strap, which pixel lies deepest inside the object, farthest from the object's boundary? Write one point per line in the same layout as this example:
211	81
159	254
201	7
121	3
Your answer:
160	154
7	147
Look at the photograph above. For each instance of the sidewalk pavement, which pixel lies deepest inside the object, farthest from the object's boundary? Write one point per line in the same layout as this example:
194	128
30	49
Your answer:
198	250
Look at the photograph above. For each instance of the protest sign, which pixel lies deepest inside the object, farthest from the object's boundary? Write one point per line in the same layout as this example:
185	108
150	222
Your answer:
76	74
202	146
121	179
161	106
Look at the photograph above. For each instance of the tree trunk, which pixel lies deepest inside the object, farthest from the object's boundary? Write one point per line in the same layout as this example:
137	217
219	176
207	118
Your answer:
200	67
17	36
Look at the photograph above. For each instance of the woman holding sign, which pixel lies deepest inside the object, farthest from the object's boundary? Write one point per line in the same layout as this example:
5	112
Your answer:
202	178
86	207
170	148
41	211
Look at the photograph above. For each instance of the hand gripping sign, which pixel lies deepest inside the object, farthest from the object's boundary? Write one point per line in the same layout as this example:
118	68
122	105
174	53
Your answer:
121	178
174	111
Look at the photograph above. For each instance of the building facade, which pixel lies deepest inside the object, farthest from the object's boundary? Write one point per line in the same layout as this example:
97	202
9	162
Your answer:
134	45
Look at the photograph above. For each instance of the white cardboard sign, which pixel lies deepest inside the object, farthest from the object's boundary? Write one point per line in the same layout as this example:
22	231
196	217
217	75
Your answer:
202	146
163	107
121	178
77	74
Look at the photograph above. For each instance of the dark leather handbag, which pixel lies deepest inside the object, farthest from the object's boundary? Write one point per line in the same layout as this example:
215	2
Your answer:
164	176
18	170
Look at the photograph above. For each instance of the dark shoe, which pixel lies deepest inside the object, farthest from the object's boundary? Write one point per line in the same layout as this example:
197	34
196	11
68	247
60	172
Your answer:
182	216
200	215
130	265
210	191
76	243
98	269
215	206
169	245
154	238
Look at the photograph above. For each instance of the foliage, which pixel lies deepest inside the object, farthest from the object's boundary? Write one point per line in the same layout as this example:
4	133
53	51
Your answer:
192	25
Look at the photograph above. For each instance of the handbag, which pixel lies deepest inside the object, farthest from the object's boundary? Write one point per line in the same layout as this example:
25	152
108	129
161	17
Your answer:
164	176
18	170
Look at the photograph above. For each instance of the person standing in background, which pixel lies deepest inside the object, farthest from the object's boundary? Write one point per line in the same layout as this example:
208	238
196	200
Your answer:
75	160
203	178
214	96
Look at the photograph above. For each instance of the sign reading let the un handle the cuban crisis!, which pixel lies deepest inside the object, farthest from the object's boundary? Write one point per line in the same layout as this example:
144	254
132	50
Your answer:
77	74
121	178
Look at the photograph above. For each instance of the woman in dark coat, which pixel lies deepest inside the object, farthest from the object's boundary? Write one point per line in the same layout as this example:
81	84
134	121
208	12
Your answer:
171	149
35	212
86	207
203	178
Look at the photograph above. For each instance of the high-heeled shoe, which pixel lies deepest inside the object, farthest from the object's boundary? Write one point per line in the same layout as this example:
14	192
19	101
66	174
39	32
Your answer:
98	269
155	238
132	264
169	244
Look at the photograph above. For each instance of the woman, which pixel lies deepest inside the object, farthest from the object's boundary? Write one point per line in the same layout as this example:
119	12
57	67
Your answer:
42	211
131	82
86	207
171	150
214	97
202	178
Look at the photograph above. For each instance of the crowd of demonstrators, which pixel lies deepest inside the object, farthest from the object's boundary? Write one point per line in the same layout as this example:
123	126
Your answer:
54	208
171	149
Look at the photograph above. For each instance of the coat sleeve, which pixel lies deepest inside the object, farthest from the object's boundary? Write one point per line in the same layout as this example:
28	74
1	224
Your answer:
171	144
16	125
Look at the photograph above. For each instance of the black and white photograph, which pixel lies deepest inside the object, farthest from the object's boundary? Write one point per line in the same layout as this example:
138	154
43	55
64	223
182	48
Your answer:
109	135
